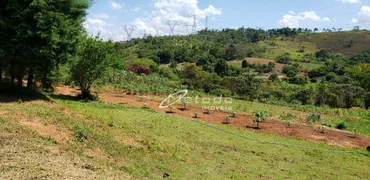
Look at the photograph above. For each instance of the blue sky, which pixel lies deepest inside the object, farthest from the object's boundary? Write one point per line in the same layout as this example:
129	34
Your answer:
152	16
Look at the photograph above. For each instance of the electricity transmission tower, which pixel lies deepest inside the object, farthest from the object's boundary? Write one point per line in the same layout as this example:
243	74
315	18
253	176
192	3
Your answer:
206	22
129	30
172	25
194	29
187	27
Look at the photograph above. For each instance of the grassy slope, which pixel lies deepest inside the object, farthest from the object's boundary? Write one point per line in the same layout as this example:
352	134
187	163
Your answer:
147	144
339	41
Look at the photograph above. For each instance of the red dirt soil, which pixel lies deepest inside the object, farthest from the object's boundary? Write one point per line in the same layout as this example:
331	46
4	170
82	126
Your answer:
300	131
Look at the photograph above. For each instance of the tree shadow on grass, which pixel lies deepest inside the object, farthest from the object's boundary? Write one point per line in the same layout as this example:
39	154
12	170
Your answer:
10	93
64	97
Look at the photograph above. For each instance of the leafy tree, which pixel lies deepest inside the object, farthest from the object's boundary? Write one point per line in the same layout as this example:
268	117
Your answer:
291	70
40	35
221	67
284	58
274	77
165	56
305	96
91	63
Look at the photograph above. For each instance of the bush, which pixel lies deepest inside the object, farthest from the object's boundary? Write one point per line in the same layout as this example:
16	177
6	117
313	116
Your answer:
284	58
341	125
312	118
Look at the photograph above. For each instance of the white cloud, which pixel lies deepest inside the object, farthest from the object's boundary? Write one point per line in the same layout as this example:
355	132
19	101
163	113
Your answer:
96	22
102	16
115	5
350	1
94	26
136	9
155	22
292	19
181	11
363	16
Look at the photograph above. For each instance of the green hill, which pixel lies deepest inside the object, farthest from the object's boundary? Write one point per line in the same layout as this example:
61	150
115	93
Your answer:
347	43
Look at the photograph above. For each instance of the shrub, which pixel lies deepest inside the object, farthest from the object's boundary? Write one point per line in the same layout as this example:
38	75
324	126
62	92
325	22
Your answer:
284	58
312	118
341	125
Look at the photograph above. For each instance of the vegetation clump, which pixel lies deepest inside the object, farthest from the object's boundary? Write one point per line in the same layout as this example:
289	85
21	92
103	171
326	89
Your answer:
260	117
312	118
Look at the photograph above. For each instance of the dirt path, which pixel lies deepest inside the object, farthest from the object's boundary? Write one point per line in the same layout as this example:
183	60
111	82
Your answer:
301	131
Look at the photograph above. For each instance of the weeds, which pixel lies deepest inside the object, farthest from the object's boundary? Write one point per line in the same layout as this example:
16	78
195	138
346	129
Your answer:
81	133
287	117
196	115
110	123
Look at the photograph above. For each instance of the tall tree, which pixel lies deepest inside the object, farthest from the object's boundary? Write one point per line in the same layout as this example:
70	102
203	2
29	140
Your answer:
40	34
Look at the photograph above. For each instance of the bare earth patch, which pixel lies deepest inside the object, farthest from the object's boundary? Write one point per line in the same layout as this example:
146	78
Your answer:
301	131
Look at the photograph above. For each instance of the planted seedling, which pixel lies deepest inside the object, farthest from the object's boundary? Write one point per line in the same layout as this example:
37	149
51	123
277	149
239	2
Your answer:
227	120
233	114
354	132
260	117
206	111
170	109
288	124
185	104
322	129
196	115
145	106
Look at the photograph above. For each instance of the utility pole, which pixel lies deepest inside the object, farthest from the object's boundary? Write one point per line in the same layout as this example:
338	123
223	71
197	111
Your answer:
172	25
129	30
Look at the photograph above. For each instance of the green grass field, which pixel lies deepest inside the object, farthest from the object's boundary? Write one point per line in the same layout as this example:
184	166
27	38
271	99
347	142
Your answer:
139	143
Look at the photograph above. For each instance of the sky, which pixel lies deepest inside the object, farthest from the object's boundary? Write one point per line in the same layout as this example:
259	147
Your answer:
154	17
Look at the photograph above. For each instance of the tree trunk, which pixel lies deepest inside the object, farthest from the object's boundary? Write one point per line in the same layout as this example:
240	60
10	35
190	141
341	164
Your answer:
20	81
30	79
86	94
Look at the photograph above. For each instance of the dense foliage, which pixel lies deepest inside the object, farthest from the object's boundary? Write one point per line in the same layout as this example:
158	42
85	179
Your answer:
45	40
